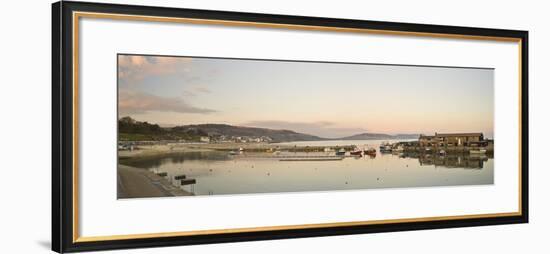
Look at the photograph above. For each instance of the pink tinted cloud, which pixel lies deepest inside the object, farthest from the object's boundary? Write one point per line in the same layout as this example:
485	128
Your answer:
136	68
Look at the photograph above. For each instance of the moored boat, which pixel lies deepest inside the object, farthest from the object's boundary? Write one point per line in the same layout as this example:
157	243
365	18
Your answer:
479	151
341	152
357	153
370	151
398	149
385	147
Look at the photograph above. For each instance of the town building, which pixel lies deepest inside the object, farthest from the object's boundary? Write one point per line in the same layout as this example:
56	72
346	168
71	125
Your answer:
452	139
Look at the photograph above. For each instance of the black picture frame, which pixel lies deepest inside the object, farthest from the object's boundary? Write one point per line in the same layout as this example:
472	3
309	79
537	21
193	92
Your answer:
63	236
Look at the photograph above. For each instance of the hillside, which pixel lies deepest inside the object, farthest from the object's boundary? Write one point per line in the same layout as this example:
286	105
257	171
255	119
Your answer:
372	136
239	131
132	130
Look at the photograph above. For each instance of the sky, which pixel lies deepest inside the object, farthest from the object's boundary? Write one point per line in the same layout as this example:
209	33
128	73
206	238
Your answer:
325	99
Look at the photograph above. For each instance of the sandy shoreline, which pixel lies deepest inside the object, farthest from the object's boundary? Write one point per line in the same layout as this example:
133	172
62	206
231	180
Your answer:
161	149
261	147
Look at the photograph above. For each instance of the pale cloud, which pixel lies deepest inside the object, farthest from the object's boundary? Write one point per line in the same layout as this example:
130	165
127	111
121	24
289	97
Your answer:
196	89
324	129
140	102
136	68
202	89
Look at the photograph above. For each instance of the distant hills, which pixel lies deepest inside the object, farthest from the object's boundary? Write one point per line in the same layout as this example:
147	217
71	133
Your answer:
239	131
277	135
132	130
371	136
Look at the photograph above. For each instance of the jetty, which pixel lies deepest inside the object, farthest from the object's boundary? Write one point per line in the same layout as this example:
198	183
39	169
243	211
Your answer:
135	182
299	157
312	158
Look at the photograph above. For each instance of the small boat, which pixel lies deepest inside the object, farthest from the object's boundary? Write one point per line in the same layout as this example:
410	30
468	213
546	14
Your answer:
398	149
341	152
385	147
370	151
442	152
479	151
357	153
233	153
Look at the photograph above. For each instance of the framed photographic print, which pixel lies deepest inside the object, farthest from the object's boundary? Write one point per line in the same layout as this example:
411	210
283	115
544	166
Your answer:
180	126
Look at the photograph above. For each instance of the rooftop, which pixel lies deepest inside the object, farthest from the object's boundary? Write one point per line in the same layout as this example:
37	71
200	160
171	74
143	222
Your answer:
473	134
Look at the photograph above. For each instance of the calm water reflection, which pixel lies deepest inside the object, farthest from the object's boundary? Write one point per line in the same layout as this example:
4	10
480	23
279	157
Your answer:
221	173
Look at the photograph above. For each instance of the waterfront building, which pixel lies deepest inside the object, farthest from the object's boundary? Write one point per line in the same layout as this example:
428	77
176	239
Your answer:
452	139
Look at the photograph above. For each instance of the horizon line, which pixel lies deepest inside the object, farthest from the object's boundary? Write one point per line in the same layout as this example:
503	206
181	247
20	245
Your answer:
335	138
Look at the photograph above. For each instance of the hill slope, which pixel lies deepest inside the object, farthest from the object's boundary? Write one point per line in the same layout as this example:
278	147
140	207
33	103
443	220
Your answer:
239	131
132	130
371	136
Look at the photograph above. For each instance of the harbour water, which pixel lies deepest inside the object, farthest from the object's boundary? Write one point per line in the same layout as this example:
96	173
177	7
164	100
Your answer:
218	172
